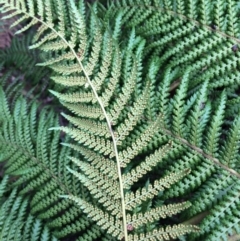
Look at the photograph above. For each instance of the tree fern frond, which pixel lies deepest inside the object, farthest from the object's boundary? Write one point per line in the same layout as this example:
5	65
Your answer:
219	14
128	154
4	106
103	219
233	28
123	98
133	116
227	210
196	118
124	71
78	97
205	12
92	141
93	127
98	184
106	166
69	81
84	110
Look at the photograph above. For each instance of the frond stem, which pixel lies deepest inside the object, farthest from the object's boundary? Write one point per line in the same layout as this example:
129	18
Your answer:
196	219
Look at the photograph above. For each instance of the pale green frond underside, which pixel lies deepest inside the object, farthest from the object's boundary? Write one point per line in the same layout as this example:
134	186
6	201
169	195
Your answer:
144	167
155	214
94	142
164	234
132	199
103	219
126	155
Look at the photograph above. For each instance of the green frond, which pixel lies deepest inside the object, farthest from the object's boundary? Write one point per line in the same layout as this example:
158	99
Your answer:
227	210
133	116
212	138
98	185
4	106
63	57
78	97
233	25
198	122
51	45
124	97
93	127
84	110
105	166
205	12
69	80
15	222
126	155
93	142
38	168
229	152
46	38
178	114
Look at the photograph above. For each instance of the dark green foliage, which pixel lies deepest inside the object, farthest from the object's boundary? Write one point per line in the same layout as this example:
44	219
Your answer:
16	223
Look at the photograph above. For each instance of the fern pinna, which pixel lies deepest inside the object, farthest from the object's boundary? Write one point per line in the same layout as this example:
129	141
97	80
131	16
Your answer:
152	90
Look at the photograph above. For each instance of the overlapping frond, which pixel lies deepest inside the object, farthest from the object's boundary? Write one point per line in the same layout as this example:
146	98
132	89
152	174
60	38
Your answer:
15	221
198	45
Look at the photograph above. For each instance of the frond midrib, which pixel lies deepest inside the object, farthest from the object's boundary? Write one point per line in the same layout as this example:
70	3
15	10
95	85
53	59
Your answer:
201	152
38	161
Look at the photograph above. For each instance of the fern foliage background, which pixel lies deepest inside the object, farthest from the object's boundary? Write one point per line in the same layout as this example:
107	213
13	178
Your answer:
149	144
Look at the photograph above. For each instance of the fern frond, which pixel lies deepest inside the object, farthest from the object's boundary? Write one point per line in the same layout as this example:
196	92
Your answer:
155	214
141	73
178	114
15	222
227	209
